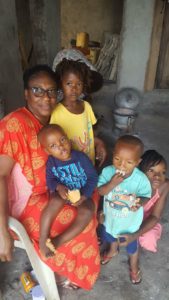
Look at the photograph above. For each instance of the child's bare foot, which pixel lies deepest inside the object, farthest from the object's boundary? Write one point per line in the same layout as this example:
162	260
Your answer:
46	250
57	241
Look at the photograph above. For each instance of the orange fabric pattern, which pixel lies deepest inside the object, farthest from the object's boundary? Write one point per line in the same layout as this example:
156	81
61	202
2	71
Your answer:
18	139
78	259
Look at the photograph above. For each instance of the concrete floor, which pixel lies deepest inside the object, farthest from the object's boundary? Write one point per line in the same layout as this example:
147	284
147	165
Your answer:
152	126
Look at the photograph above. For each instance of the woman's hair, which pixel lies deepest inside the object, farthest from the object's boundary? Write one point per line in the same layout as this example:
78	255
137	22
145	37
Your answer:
34	71
76	67
151	158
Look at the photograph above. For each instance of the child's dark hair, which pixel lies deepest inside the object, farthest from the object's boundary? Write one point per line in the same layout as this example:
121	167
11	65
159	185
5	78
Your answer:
49	128
151	158
34	71
131	140
76	67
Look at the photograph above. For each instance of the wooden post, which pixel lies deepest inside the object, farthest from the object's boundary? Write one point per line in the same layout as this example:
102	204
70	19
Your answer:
155	45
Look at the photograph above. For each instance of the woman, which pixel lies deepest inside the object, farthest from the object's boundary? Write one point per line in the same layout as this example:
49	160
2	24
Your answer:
154	166
23	191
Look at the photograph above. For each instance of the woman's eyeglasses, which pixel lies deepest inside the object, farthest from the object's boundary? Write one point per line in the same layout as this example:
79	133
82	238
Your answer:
40	92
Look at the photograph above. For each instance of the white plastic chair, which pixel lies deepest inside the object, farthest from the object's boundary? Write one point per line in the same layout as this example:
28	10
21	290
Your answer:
44	274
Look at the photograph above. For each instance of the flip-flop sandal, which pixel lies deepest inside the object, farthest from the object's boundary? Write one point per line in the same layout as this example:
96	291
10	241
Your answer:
67	284
106	259
135	277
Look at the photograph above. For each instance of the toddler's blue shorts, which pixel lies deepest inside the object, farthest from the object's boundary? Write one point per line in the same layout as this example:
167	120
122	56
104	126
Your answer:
131	248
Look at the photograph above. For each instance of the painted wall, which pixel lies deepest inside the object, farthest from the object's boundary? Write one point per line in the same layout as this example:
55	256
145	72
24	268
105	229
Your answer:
94	17
135	42
11	86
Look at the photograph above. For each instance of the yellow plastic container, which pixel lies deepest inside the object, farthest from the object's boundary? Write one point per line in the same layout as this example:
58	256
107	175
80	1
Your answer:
82	39
27	282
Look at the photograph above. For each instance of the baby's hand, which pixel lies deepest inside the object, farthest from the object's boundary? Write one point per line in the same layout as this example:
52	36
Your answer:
80	201
62	191
73	196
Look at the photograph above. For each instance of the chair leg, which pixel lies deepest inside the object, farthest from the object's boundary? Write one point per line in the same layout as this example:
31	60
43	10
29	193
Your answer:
44	274
45	277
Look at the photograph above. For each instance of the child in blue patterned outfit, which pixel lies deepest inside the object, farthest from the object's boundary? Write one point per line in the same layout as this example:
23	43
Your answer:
123	185
66	170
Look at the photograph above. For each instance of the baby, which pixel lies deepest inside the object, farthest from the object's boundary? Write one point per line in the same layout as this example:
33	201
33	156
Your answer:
71	178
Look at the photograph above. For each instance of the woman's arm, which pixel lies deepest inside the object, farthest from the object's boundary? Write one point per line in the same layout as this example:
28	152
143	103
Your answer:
6	242
153	219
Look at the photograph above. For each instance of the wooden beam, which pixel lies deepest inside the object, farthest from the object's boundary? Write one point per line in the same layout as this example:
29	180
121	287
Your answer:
155	45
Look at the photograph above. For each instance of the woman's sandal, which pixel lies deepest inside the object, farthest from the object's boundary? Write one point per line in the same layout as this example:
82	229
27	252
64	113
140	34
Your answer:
135	277
67	284
106	258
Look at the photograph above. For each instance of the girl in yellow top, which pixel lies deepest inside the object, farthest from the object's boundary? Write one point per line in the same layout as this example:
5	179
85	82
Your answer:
75	116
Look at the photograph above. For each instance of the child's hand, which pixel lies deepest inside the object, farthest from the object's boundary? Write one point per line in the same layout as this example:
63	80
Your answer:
81	200
73	196
101	151
117	179
126	239
136	205
62	191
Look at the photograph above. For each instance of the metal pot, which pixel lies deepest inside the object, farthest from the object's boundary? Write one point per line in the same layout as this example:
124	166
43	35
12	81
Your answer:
124	118
128	98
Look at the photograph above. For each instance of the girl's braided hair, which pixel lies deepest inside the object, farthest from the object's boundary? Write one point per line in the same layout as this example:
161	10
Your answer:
76	67
151	158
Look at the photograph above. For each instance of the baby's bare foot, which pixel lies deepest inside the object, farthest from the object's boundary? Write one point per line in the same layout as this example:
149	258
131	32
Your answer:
45	250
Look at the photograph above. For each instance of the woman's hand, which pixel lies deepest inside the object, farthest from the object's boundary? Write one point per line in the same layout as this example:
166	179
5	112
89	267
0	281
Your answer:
101	151
6	246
